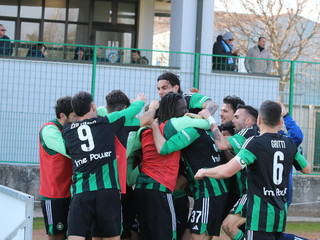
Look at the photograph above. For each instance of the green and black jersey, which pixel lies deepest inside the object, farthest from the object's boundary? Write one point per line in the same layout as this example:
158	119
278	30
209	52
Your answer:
131	124
269	158
198	151
91	145
202	153
237	142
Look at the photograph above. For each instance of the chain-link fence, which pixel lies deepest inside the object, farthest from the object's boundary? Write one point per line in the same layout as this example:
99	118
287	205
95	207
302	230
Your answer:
35	74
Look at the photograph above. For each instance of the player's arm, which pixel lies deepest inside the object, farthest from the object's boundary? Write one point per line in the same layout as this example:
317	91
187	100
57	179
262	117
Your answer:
301	164
240	161
148	116
51	137
221	141
221	172
294	131
186	122
176	142
129	112
198	100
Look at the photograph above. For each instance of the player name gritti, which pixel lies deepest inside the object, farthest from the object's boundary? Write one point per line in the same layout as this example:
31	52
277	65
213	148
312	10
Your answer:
77	124
278	144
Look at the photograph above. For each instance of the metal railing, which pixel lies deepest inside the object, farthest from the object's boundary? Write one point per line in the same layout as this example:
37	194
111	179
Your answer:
33	78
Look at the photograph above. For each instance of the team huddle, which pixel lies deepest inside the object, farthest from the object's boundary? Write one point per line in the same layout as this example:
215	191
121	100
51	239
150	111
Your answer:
132	177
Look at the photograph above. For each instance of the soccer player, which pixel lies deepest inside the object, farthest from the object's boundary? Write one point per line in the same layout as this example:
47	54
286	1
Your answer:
55	171
117	100
244	123
229	107
268	159
95	207
170	82
210	195
157	180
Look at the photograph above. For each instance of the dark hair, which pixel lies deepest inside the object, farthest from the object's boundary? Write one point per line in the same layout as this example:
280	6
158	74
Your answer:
270	113
168	105
116	101
136	51
228	126
250	110
261	38
76	51
233	101
172	78
63	105
81	103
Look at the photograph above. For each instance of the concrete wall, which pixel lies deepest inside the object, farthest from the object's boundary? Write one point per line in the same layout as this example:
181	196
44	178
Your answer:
306	199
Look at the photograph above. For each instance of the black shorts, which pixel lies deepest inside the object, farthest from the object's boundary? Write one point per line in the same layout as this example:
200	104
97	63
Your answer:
181	207
257	235
207	215
96	213
55	212
128	212
240	207
156	216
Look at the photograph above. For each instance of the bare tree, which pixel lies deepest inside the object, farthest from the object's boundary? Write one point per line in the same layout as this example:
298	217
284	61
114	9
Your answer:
290	35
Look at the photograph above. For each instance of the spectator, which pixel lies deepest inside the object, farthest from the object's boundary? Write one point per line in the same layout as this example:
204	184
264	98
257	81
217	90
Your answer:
89	55
259	51
224	46
5	46
137	59
78	54
37	51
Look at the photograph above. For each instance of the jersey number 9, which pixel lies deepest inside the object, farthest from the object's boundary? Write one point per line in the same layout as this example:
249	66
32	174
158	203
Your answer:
84	133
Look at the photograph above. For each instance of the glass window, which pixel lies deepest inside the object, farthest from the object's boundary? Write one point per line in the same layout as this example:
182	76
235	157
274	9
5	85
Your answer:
53	32
77	34
55	10
8	8
78	11
31	9
126	13
10	27
29	31
102	11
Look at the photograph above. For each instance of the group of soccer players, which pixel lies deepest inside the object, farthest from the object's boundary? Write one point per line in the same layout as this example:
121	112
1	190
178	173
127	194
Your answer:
238	173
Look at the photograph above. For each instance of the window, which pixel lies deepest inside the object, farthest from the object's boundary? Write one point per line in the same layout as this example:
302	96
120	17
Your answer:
78	11
126	13
8	8
102	11
31	9
55	10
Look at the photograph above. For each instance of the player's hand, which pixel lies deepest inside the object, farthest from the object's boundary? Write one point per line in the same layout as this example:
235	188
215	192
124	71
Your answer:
200	174
205	113
154	105
284	110
141	97
194	90
193	115
154	124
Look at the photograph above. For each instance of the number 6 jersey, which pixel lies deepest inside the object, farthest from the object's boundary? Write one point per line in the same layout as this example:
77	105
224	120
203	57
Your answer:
269	158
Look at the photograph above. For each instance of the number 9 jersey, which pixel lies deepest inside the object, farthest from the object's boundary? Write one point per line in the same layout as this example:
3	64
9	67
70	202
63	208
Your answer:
91	145
269	158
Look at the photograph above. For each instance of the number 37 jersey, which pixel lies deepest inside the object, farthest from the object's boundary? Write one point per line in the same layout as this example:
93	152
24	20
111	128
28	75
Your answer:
91	145
269	158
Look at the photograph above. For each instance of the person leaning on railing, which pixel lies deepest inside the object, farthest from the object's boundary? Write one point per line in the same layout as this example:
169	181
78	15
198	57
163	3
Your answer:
224	46
259	65
5	46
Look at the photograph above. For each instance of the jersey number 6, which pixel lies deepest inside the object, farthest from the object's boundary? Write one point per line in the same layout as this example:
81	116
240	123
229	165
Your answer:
277	167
